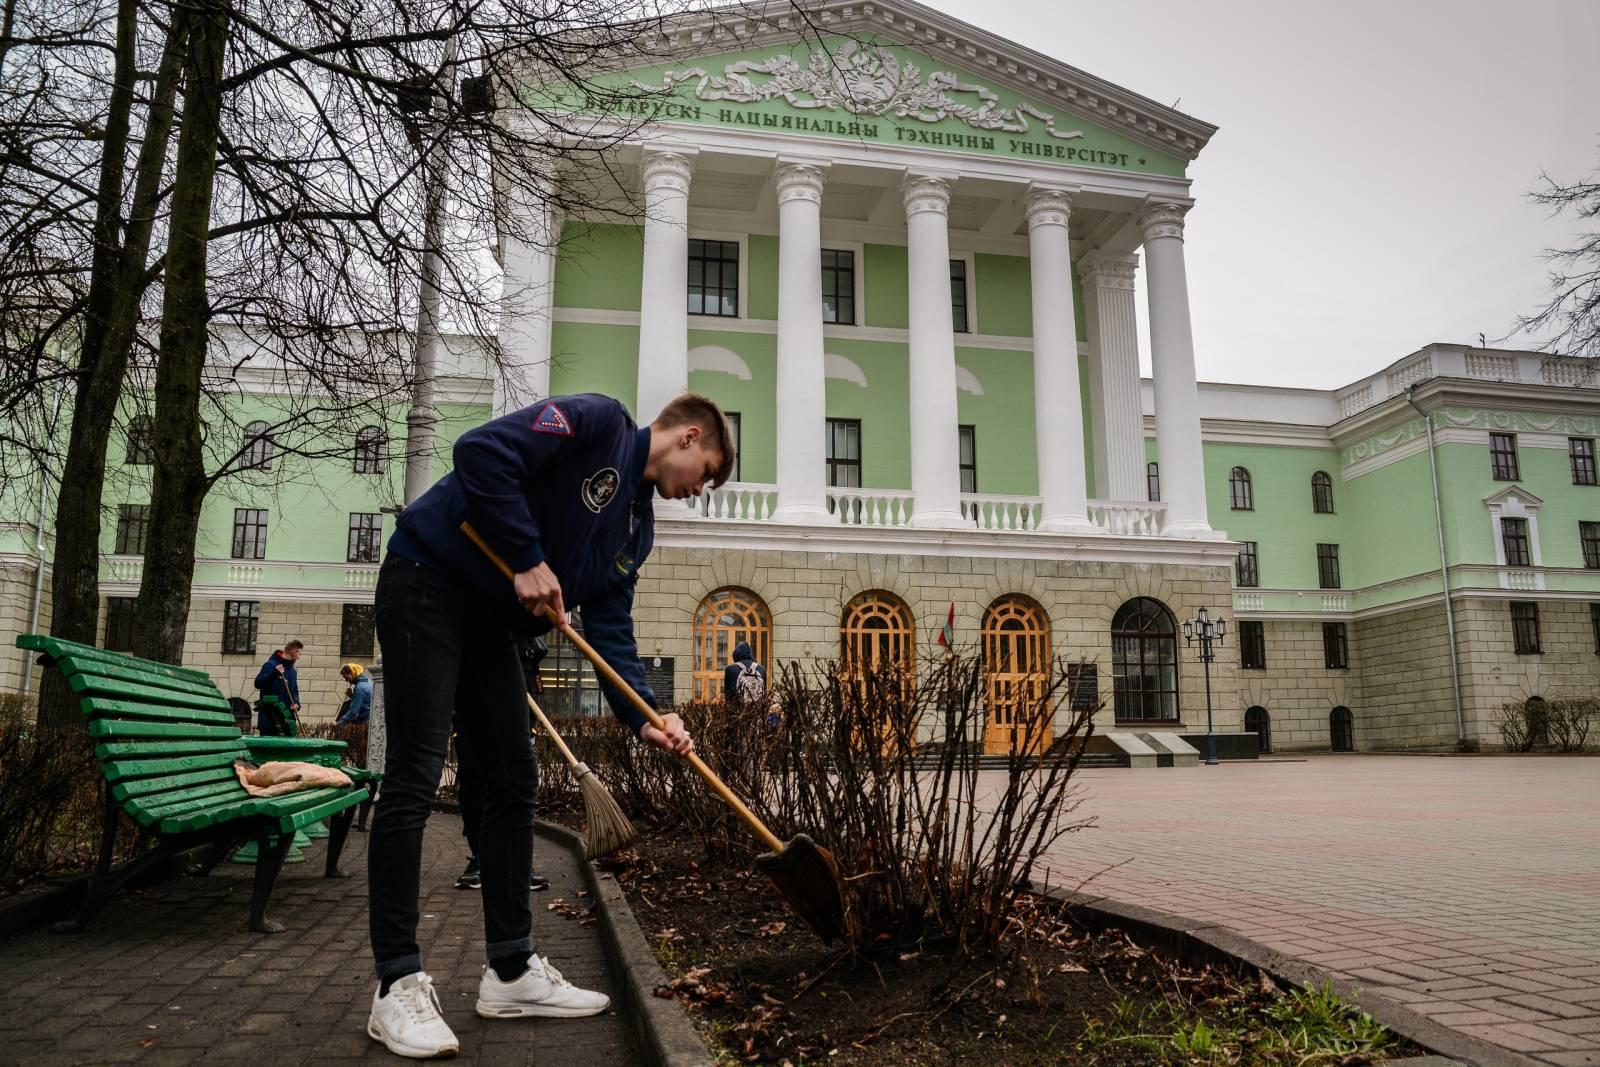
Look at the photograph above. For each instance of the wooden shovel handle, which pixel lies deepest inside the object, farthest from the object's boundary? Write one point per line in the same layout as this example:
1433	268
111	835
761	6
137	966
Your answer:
651	715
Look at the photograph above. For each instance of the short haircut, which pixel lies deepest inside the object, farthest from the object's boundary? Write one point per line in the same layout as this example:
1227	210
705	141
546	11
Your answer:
692	409
292	645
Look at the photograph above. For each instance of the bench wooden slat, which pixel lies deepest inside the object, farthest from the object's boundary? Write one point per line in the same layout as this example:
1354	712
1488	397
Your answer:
57	648
107	707
150	809
156	748
197	813
248	806
177	731
121	770
292	748
147	786
132	672
86	684
333	806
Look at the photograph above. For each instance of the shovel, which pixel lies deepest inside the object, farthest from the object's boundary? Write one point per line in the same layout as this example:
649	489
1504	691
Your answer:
804	872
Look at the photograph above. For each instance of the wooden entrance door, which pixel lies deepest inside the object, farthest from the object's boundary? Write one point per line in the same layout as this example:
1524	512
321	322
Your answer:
1016	656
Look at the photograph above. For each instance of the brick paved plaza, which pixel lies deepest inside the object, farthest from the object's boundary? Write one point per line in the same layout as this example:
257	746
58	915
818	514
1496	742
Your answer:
1468	888
171	976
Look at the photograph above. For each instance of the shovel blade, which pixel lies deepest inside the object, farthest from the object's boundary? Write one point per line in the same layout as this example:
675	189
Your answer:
808	877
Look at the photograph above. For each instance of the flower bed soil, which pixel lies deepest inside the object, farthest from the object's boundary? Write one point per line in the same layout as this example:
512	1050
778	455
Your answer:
763	989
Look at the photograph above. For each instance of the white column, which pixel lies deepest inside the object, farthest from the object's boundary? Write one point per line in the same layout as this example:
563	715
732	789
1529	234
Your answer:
935	434
664	300
802	385
1057	397
1183	476
528	276
1118	424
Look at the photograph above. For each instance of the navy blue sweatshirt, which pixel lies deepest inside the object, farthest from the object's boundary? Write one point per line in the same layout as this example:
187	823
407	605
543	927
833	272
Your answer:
560	482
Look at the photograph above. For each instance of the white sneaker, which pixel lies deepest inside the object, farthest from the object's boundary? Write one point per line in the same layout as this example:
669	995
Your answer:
408	1022
540	992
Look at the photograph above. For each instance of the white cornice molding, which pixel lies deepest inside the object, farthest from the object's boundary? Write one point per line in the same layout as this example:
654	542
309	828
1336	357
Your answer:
961	44
1466	392
1248	432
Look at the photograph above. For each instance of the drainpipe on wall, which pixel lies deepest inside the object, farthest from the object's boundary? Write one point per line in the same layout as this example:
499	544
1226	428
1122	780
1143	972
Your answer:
1444	568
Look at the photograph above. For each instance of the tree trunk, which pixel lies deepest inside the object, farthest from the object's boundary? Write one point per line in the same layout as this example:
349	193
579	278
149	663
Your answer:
180	485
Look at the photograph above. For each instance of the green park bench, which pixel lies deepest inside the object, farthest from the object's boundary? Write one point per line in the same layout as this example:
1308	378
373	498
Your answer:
167	740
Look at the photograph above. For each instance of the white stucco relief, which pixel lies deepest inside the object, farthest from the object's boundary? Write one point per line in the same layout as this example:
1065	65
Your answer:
843	368
719	360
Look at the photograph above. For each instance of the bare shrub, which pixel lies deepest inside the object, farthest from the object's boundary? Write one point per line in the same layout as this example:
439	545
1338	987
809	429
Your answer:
1570	722
1523	725
353	734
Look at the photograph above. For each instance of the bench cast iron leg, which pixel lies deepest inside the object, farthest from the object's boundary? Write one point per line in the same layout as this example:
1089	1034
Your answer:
338	829
270	851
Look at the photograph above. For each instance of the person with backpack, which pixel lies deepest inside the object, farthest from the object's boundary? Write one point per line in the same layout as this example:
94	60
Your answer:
744	681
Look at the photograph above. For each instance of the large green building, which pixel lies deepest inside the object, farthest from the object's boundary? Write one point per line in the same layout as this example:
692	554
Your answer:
906	256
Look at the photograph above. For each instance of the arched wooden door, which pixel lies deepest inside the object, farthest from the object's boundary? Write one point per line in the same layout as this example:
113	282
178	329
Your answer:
1016	658
726	617
876	635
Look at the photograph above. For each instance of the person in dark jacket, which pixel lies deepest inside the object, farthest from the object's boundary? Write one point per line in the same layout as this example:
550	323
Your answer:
562	492
277	678
744	681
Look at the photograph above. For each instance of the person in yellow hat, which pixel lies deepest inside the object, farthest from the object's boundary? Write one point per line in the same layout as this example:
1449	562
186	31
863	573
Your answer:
360	693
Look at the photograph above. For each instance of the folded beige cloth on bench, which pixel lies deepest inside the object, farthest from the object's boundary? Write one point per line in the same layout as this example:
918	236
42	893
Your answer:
277	778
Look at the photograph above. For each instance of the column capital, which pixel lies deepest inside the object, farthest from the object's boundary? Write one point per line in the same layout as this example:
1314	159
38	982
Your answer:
664	168
799	180
925	192
1048	205
1109	270
1162	220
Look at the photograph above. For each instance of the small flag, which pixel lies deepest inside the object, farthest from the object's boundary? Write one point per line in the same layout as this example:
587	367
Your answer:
947	635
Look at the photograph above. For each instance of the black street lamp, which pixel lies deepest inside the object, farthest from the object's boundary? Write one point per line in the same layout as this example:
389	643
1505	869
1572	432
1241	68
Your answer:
1207	631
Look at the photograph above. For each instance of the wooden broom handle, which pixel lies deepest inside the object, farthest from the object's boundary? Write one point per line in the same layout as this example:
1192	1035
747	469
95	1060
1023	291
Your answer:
639	703
550	732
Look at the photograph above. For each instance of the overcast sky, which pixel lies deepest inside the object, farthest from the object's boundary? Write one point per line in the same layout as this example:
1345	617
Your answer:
1366	193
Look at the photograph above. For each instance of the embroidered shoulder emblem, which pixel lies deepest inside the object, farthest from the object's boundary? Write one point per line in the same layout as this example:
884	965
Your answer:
553	420
600	488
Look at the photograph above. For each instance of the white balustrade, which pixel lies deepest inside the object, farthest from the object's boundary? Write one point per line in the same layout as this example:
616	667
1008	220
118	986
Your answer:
993	512
361	578
1521	579
242	575
871	507
1492	368
1567	370
1354	401
1412	371
1335	602
125	570
1249	602
1128	518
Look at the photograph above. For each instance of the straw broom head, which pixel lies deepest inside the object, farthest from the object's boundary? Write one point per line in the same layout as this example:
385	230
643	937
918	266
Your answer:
608	828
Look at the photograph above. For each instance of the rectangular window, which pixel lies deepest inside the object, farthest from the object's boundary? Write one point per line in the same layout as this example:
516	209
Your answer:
958	295
1594	624
1589	538
365	541
1083	686
1253	645
1525	627
1245	573
239	622
1580	450
1514	538
1335	646
133	522
120	623
714	278
1152	481
735	427
356	630
141	442
839	286
844	453
969	458
1503	456
249	533
1328	566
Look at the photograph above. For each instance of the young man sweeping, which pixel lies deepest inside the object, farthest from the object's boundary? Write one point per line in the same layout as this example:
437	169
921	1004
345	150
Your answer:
561	491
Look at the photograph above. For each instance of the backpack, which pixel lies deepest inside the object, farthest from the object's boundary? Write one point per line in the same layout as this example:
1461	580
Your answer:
749	685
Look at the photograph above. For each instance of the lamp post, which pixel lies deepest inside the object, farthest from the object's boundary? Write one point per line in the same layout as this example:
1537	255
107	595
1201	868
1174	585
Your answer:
1208	632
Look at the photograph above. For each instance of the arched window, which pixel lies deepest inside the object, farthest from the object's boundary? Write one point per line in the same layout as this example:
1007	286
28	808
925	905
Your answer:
1144	661
141	442
1258	722
370	447
257	447
1016	660
876	630
1342	730
1240	496
1152	481
723	619
1322	493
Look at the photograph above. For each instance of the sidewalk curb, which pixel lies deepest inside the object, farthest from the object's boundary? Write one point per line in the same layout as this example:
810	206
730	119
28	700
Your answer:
666	1034
1200	942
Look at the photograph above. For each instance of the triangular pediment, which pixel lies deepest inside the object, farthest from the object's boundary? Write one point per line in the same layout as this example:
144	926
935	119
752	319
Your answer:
901	73
1514	495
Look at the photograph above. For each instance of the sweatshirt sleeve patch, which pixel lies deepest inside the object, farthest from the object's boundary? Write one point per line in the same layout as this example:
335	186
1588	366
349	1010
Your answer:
553	420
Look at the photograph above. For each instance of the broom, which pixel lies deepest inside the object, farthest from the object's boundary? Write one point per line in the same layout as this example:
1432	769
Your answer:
804	872
608	828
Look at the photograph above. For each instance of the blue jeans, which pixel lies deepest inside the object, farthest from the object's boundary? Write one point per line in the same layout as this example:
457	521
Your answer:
441	652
